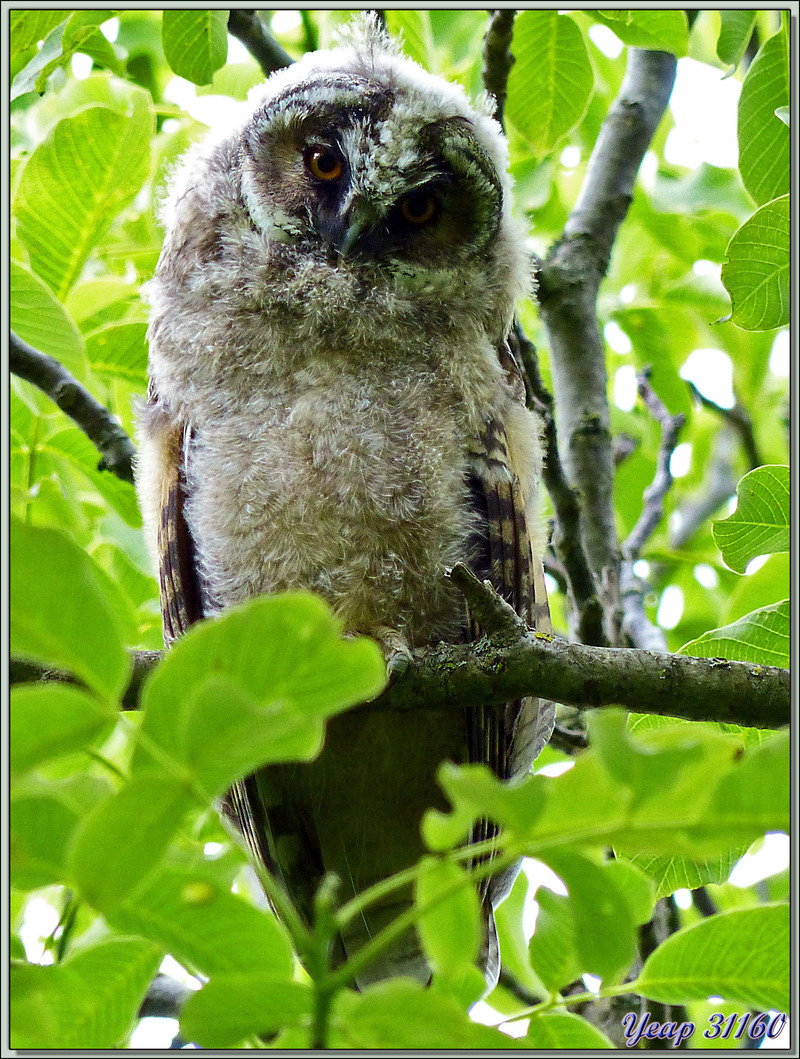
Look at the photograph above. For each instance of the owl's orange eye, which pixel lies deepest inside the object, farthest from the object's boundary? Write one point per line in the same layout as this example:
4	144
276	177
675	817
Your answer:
418	208
323	163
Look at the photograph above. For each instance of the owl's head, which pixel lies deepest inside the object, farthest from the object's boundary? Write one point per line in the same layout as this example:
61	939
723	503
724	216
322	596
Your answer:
355	174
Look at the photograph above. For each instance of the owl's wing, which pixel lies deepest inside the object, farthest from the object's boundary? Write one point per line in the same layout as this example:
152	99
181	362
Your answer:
179	587
509	739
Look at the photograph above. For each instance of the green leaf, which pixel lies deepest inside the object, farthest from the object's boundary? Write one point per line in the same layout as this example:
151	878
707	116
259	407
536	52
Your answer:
604	936
556	1030
88	1001
41	829
756	269
403	1014
736	29
763	138
119	351
760	524
232	1007
78	33
679	873
124	837
60	611
204	926
195	43
43	322
27	28
655	30
651	796
742	956
76	181
550	82
762	637
451	928
552	947
50	720
413	27
280	666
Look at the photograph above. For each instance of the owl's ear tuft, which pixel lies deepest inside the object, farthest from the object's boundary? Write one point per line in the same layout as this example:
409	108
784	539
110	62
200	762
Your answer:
367	37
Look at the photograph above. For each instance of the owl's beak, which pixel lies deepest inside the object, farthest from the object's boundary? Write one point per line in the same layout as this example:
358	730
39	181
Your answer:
357	218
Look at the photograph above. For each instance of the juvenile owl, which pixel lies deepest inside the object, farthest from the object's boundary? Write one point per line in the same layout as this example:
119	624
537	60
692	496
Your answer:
333	406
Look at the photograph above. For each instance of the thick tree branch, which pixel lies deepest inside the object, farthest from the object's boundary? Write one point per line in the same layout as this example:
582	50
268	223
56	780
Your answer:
247	27
94	419
569	280
454	676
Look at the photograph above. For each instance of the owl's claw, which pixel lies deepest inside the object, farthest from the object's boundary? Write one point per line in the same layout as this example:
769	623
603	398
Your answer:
396	652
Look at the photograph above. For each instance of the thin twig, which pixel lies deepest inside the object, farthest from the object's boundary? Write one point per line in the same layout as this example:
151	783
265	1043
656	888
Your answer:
247	27
739	418
497	57
637	626
93	418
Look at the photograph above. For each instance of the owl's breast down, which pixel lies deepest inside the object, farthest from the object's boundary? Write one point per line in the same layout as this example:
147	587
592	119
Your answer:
351	486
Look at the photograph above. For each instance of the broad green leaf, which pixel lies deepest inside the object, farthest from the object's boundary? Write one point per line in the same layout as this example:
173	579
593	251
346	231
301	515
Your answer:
75	183
413	27
195	43
123	839
119	351
29	27
60	611
736	29
604	934
651	796
50	720
88	1001
551	80
41	826
232	1007
403	1014
756	269
741	956
762	637
204	926
79	33
43	322
551	949
555	1030
760	523
234	80
763	138
451	927
634	885
679	873
655	30
291	667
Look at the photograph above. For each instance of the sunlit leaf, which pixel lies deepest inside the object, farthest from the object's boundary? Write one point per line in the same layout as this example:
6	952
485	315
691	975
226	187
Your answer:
232	1007
195	43
764	138
551	81
756	272
760	523
88	1001
742	956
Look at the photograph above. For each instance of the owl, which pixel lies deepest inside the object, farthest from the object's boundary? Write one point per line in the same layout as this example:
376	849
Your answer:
334	405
